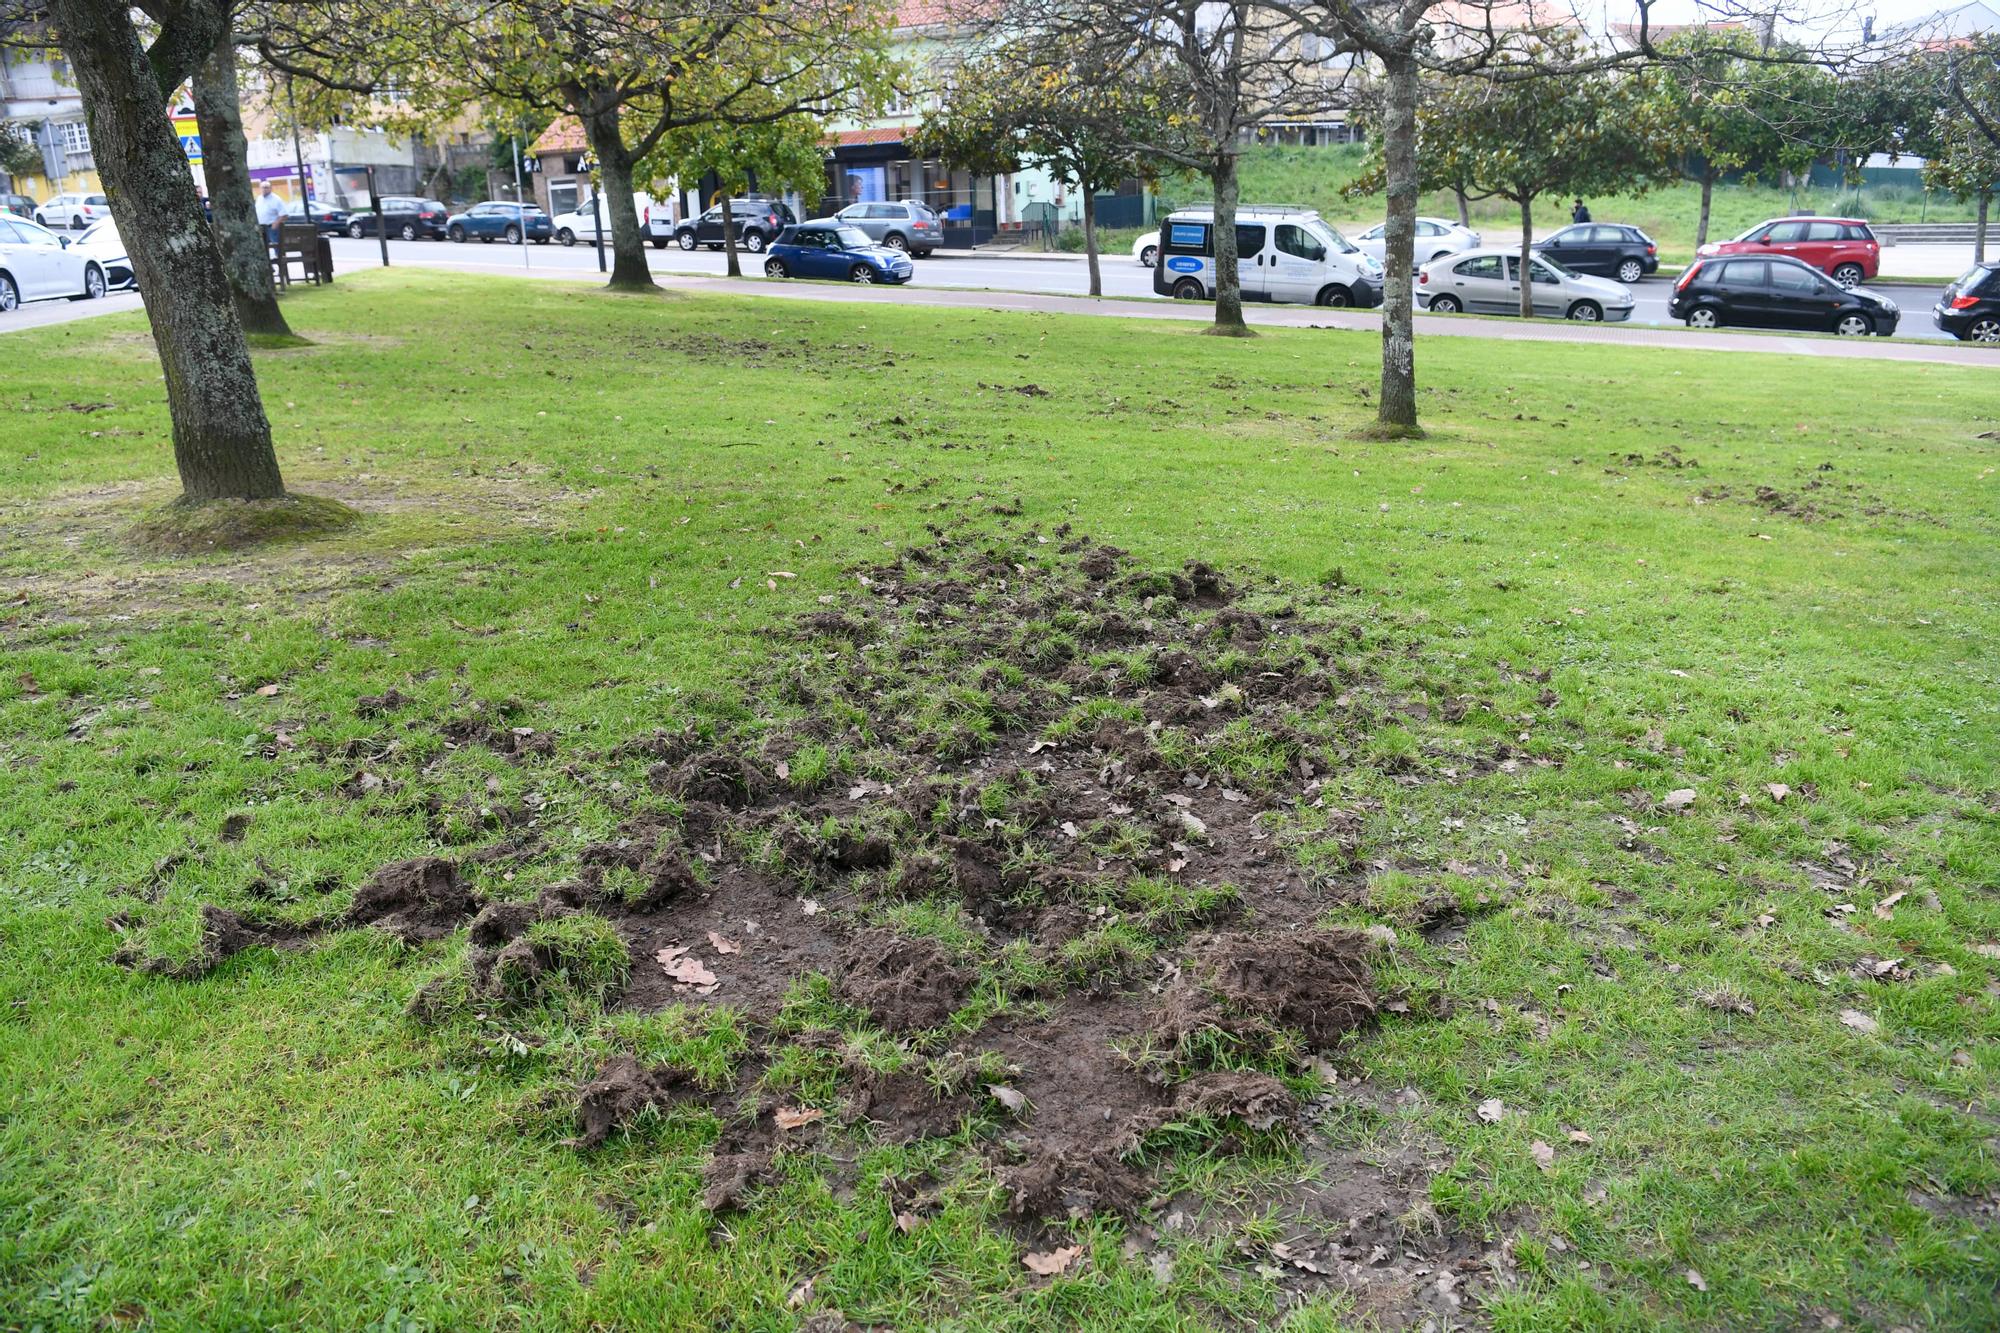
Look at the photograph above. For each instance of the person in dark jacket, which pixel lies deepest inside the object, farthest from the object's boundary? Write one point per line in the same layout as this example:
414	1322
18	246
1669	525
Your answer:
1579	213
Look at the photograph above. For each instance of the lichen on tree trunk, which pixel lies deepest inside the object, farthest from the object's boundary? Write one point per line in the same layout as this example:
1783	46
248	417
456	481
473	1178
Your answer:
1228	277
1527	249
222	439
1396	412
246	257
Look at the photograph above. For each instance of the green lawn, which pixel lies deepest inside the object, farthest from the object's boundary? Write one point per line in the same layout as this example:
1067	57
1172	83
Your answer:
1316	178
1607	576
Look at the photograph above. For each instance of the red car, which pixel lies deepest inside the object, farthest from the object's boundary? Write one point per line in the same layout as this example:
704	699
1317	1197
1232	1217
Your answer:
1842	248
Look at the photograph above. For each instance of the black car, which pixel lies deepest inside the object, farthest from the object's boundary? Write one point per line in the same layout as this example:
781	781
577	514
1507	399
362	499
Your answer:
758	221
1776	293
18	204
1608	249
406	217
1969	310
328	220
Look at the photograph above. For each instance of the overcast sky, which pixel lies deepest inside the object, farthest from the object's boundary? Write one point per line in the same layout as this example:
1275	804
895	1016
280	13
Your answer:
1826	18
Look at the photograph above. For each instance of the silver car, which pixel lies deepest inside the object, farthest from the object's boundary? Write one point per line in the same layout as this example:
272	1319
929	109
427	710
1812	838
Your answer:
908	226
1488	282
1436	238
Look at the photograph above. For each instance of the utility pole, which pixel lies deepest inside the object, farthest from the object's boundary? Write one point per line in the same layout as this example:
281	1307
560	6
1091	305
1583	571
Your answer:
520	203
299	155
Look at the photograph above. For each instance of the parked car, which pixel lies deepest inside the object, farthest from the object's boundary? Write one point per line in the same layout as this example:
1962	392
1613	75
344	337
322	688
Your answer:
758	221
329	221
1969	309
1776	293
103	244
1488	282
75	211
1436	238
1146	249
499	220
829	248
1842	247
582	222
1608	249
17	204
36	265
1282	254
900	226
406	216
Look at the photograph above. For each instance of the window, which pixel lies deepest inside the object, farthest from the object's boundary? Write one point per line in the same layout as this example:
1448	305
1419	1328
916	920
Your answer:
1292	240
1423	229
1742	273
74	136
1486	266
1787	233
8	236
1375	233
1793	280
1824	231
1187	238
1249	239
1606	236
1544	276
1856	231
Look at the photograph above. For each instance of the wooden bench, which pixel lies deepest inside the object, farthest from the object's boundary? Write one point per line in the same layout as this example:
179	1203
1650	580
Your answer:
298	243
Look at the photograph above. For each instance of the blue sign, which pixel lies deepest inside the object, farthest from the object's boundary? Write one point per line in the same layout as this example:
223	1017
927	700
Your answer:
1187	233
191	145
1184	264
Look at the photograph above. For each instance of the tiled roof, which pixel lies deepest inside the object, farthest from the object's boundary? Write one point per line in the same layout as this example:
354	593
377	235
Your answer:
564	135
879	134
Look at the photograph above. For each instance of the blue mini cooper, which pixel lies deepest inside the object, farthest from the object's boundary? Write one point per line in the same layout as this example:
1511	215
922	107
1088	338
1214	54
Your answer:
827	248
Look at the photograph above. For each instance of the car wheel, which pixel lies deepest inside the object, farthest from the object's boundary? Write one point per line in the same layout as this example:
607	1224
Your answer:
1848	275
1334	295
354	231
685	240
10	295
775	268
567	237
1983	330
862	274
753	241
457	235
1187	289
896	241
1704	317
1439	255
1445	305
1149	256
409	232
1631	270
513	235
1854	325
1586	312
93	283
76	223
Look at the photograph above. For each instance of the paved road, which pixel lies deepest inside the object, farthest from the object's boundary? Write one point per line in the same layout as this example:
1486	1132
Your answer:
1055	276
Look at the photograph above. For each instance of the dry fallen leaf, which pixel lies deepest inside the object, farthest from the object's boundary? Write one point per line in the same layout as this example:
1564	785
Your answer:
1859	1021
1886	909
685	970
796	1117
1008	1097
1779	791
1298	1260
723	945
1491	1110
1696	1280
1544	1155
907	1222
1678	799
268	690
800	1294
1579	1136
1053	1261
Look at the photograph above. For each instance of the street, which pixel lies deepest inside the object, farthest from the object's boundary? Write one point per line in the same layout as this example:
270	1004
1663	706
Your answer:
1052	275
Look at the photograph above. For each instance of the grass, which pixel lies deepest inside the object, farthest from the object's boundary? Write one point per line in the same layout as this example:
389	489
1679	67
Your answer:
1317	178
580	502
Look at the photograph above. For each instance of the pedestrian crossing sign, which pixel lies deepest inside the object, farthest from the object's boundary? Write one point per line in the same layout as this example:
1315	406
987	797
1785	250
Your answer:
189	131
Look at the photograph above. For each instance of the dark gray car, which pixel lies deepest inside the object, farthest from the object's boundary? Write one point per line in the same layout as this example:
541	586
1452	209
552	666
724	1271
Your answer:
903	226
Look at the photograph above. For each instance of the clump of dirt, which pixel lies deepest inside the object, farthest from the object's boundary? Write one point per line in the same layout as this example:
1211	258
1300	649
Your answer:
1317	983
419	899
221	935
907	984
379	705
623	1091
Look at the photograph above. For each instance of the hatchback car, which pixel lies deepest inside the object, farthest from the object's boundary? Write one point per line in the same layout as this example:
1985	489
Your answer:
1842	247
406	216
328	220
1488	282
828	248
1436	238
103	244
757	220
901	226
37	265
18	204
498	220
1609	249
74	211
1776	293
1969	309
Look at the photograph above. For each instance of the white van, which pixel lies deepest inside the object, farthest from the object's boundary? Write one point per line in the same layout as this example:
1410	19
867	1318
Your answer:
1282	254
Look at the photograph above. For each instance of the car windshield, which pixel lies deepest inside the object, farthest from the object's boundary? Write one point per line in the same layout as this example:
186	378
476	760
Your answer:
1331	238
103	234
1549	262
852	238
1752	232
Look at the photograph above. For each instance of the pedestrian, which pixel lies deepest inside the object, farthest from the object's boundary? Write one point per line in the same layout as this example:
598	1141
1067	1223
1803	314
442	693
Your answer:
270	212
1579	213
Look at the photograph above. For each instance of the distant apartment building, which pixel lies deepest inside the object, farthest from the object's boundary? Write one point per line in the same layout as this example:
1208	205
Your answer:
38	102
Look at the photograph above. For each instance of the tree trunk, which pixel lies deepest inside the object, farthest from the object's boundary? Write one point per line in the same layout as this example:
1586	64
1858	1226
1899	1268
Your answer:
1527	249
246	258
1707	194
1228	280
1396	413
1979	236
1464	206
222	439
1090	241
629	270
729	237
